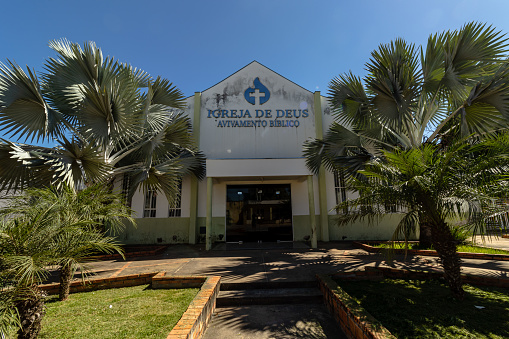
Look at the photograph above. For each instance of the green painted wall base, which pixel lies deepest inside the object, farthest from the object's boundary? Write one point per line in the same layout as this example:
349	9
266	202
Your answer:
362	230
176	230
302	228
157	231
218	229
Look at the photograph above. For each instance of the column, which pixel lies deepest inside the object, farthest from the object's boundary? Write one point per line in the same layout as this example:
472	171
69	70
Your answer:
312	219
193	210
208	222
322	187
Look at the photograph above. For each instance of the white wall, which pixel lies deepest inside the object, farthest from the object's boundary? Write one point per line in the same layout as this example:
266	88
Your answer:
250	142
162	205
259	168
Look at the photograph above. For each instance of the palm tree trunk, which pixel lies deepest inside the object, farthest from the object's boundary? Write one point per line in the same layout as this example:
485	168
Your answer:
425	240
31	311
65	281
445	245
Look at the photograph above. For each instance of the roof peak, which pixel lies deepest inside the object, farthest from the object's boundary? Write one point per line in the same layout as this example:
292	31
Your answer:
259	63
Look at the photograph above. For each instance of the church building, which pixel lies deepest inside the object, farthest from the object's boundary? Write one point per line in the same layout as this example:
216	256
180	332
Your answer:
251	127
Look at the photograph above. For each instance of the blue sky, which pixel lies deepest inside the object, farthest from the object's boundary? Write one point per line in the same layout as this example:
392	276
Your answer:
195	44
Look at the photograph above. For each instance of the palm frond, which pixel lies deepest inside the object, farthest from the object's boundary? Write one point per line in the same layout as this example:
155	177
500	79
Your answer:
23	110
165	93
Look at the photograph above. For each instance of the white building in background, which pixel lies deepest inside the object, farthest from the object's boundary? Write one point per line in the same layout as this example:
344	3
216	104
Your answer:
251	127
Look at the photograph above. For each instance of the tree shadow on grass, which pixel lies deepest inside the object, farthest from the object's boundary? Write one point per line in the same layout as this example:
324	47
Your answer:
426	309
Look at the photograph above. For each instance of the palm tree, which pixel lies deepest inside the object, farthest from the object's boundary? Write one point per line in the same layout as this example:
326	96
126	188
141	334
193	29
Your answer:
75	246
53	226
80	217
457	86
9	317
463	182
27	250
105	117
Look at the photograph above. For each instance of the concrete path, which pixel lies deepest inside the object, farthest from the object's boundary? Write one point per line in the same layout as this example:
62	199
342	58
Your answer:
273	321
492	241
266	265
280	264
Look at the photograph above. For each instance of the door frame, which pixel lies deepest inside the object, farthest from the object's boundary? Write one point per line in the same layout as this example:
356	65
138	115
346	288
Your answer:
254	183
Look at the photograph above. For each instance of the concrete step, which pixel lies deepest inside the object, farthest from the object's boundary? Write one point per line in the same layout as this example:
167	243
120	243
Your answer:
268	285
268	294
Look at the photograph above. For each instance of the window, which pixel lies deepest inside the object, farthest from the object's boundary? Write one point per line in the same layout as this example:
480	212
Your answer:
340	189
149	210
175	210
126	185
391	208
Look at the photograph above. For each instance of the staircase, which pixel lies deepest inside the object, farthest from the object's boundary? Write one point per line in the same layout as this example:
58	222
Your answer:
269	293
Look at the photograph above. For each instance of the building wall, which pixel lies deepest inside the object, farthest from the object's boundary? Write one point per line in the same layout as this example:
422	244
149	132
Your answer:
156	231
161	229
253	154
228	98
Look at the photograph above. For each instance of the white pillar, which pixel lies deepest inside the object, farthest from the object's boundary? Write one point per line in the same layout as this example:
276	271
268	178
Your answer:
312	218
208	222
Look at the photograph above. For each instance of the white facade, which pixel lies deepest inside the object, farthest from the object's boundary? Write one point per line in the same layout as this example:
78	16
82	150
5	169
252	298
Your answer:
251	126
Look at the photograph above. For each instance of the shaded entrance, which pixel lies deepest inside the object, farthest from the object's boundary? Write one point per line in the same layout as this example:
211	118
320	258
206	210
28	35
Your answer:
258	213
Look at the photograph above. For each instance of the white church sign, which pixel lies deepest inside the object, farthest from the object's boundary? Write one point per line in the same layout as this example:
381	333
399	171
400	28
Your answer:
245	117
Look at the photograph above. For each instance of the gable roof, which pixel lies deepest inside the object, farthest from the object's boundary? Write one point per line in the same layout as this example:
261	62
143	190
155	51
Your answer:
256	62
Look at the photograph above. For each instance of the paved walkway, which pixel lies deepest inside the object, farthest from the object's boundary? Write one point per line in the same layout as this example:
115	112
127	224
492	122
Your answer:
279	264
492	241
311	321
290	264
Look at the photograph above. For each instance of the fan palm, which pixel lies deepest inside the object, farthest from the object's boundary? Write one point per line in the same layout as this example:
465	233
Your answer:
457	86
106	119
462	183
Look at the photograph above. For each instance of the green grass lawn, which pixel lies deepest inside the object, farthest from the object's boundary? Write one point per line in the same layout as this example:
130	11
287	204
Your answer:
426	309
130	312
461	248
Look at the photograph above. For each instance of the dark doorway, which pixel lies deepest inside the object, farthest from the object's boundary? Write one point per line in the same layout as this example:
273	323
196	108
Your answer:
258	213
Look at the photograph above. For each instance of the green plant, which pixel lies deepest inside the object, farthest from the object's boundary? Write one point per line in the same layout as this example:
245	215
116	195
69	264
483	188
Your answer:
461	182
455	86
27	243
51	226
461	235
108	119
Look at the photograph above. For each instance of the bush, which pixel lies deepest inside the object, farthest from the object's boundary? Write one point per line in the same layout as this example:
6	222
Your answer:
461	234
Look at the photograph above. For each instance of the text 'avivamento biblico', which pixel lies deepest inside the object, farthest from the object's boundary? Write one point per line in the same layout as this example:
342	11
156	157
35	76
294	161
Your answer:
258	95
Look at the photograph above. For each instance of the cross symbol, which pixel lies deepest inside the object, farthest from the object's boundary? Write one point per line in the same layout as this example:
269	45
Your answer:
257	94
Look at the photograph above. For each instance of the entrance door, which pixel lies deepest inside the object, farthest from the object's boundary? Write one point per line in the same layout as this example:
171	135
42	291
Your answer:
257	213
